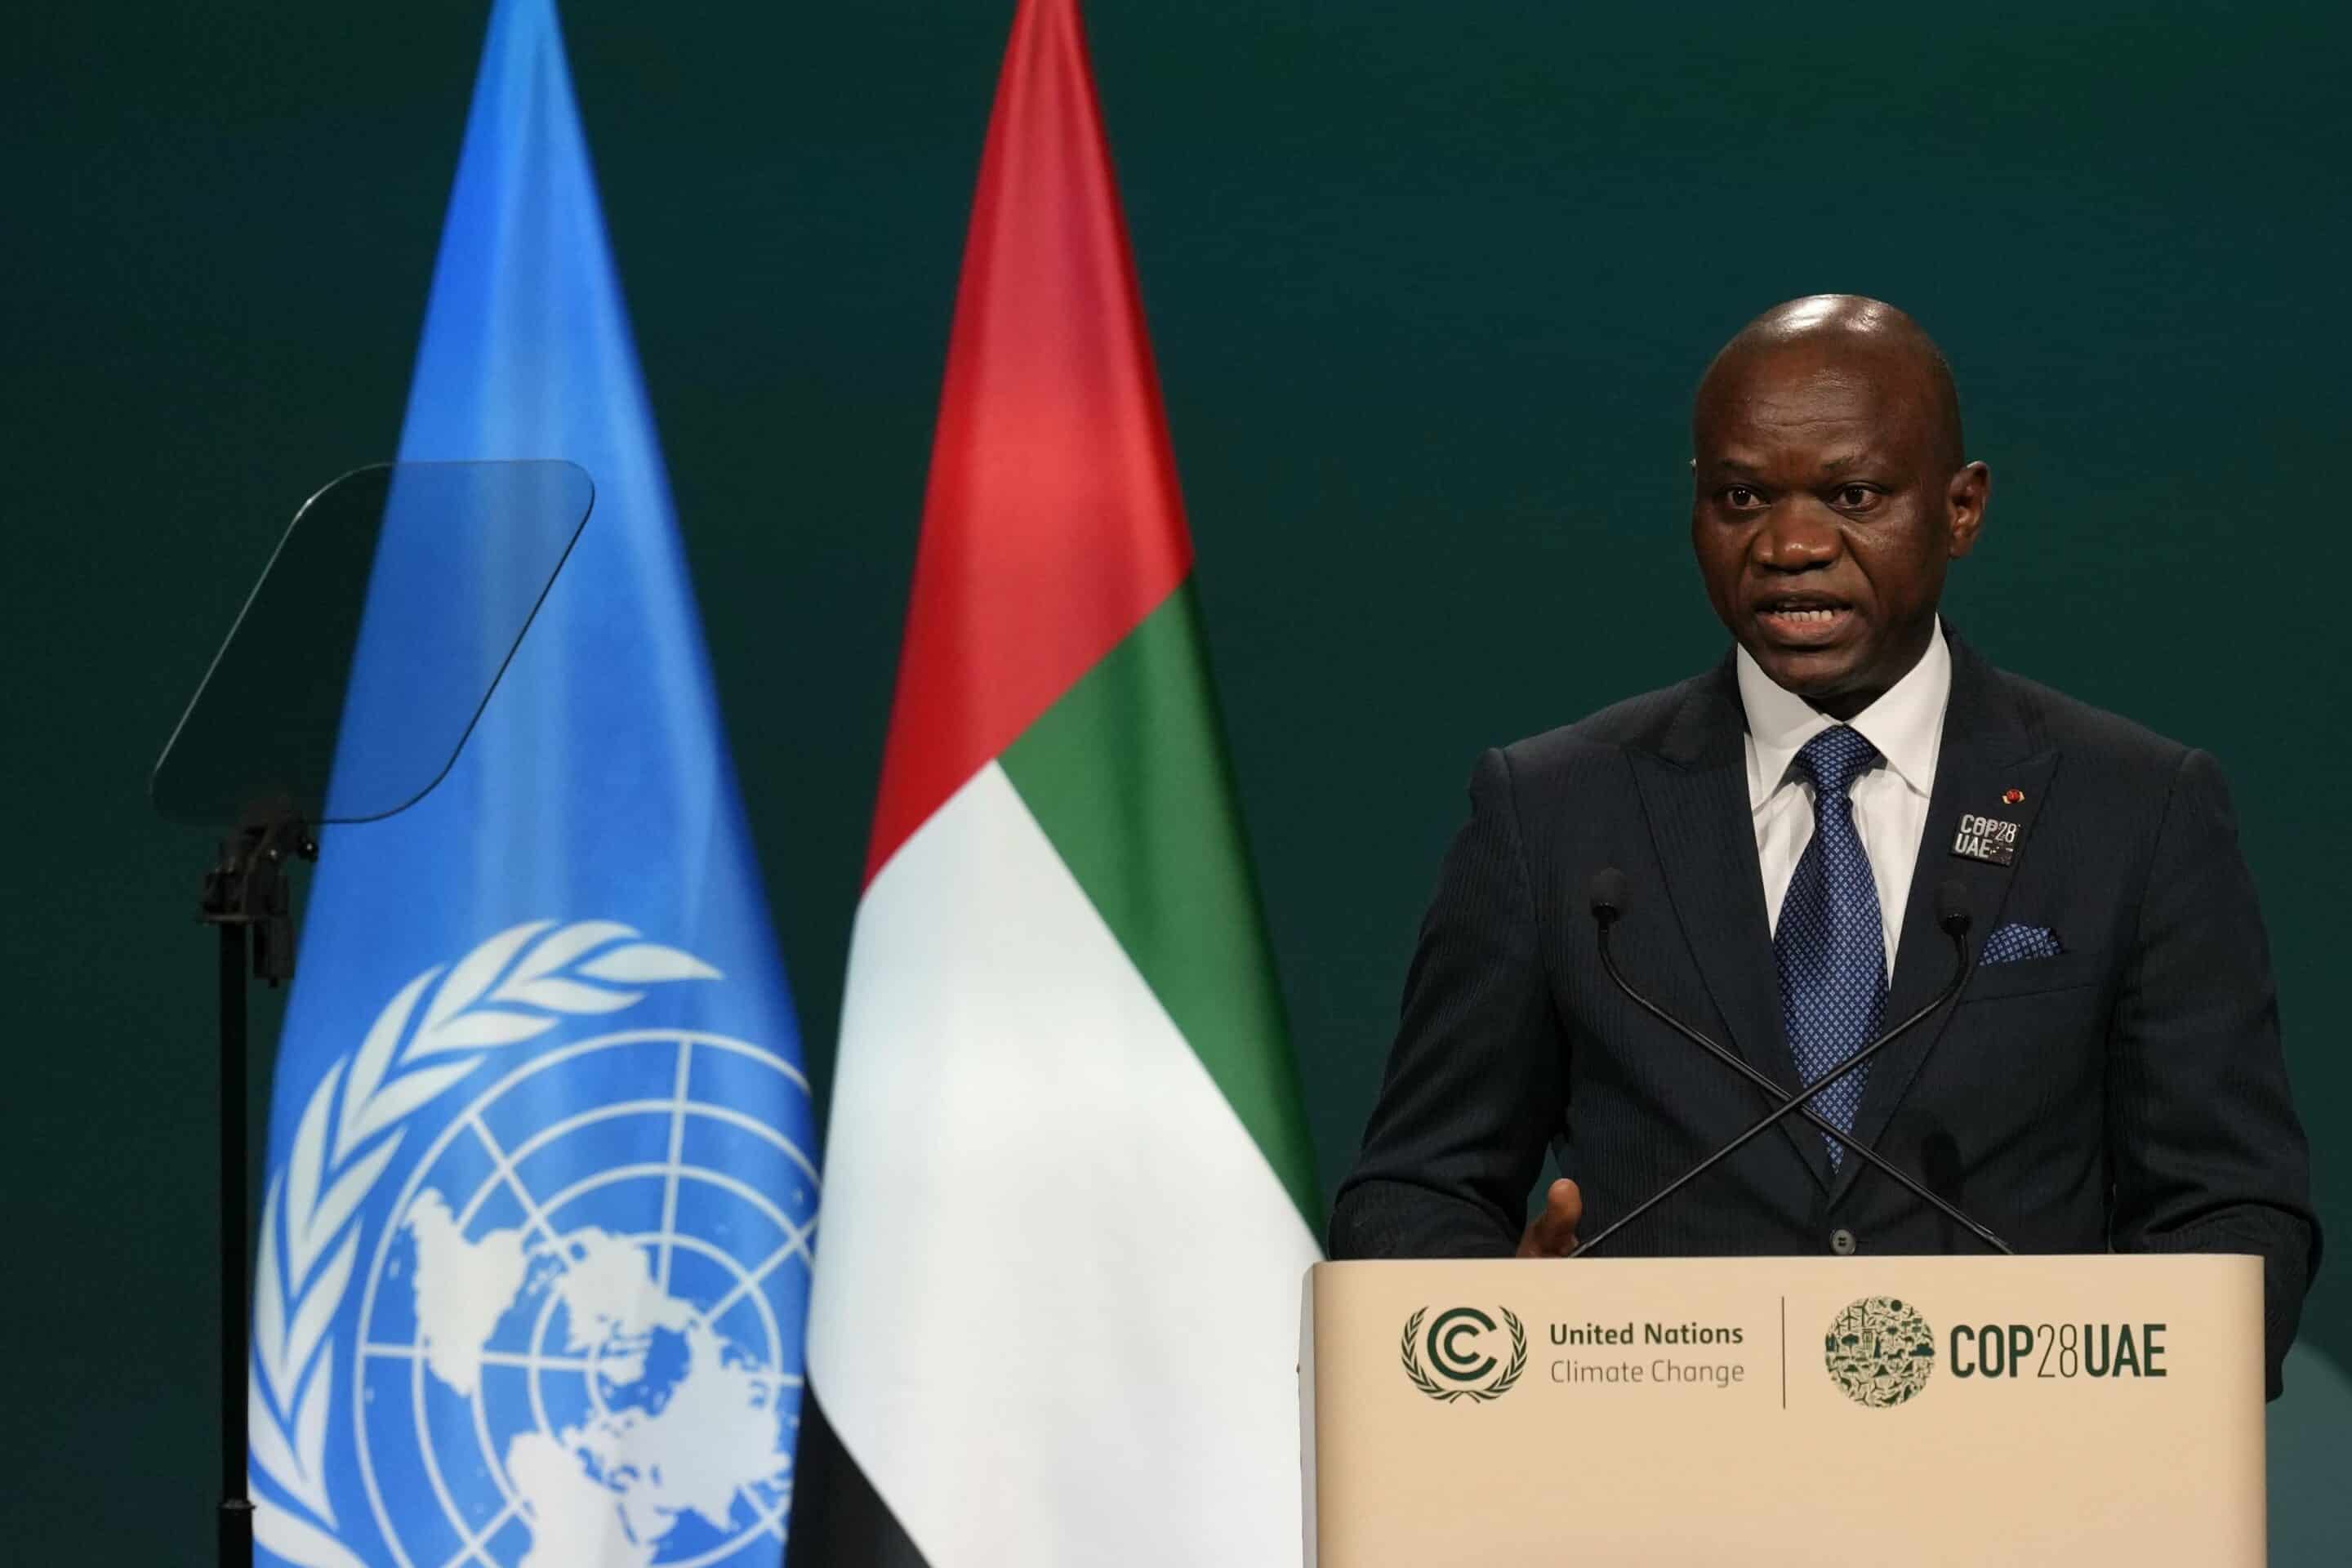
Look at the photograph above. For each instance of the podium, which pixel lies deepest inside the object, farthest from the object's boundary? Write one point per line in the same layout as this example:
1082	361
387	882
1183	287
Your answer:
1832	1410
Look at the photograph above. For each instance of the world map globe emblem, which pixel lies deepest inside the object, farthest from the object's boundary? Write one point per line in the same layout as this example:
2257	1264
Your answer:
1879	1351
580	1333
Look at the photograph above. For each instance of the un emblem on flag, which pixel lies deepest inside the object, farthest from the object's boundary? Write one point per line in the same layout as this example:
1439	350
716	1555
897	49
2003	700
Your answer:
577	1335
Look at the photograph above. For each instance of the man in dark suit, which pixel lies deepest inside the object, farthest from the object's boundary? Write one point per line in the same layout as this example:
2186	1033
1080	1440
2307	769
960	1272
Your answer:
2110	1077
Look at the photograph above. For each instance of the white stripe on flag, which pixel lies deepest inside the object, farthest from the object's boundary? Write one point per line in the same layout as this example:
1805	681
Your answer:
1057	1303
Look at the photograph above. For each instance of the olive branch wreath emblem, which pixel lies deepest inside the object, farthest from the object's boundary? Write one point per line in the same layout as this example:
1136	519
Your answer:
1407	1349
512	987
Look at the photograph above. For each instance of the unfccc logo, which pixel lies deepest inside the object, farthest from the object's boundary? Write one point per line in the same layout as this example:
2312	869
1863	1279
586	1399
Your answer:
1467	1350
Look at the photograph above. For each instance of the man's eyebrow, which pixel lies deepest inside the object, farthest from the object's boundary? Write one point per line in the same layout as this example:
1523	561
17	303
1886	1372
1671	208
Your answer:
1730	465
1840	462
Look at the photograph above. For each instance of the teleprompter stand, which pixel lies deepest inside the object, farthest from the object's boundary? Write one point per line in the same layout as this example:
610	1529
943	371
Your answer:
341	696
246	891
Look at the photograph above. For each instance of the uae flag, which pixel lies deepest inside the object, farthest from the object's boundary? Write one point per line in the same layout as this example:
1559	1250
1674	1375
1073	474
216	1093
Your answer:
1055	1306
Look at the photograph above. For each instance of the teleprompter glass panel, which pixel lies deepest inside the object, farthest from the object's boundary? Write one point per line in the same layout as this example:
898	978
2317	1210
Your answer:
372	641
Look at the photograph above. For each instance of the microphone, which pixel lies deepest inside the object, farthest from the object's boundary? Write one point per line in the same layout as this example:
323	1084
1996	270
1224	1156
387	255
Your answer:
1608	896
1952	910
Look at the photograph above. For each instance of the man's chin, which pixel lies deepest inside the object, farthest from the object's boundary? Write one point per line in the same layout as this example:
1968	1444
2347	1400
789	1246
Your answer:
1815	674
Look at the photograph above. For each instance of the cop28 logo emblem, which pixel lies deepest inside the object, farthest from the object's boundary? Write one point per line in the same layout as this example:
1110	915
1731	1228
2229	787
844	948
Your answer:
1463	1348
573	1336
1879	1351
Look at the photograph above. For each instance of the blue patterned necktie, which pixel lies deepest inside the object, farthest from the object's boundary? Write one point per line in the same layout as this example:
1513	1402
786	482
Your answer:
1829	946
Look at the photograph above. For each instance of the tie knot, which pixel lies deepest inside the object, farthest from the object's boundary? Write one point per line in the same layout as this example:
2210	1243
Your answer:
1834	757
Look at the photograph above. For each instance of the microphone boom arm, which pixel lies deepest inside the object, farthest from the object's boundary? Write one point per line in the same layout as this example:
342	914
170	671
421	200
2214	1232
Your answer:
1801	1101
1741	1066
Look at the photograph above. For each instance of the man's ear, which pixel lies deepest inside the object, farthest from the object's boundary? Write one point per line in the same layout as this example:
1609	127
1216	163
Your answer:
1964	502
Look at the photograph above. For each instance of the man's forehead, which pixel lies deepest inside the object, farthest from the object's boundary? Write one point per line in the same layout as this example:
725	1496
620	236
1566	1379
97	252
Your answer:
1840	418
1846	403
1755	461
1852	370
1816	380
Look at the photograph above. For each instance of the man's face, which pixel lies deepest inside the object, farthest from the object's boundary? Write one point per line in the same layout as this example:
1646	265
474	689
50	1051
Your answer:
1823	512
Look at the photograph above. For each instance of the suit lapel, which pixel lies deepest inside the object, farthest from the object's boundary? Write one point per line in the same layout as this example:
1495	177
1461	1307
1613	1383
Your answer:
1986	752
1694	792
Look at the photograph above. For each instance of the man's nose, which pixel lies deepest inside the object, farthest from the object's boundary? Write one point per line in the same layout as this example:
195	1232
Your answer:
1799	535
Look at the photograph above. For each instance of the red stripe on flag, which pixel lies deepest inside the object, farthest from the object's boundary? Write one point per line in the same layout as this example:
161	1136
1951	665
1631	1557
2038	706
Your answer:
1052	524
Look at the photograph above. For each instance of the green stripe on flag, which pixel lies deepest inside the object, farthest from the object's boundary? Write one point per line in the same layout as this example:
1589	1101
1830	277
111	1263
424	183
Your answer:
1126	774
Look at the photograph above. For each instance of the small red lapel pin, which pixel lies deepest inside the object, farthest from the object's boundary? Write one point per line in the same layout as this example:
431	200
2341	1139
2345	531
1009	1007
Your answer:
2011	796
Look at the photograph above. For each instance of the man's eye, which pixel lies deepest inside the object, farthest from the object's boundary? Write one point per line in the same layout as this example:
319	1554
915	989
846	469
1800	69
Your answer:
1742	497
1858	498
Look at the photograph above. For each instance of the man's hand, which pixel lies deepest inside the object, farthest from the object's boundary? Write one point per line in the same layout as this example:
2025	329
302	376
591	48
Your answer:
1552	1234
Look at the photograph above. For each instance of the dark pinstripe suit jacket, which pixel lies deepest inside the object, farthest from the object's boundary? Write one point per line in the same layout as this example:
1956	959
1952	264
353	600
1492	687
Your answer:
2127	1094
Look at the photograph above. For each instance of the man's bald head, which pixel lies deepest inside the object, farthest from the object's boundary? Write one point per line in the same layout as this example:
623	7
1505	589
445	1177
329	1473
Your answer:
1846	333
1830	490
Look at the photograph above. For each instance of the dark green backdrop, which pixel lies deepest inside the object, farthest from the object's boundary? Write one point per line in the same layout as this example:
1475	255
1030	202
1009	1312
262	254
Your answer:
1429	283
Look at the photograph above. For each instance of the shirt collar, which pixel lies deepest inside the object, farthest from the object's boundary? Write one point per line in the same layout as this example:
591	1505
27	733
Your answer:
1906	723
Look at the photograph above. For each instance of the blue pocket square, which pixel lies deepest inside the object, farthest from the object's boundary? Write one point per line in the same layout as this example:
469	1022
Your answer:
2012	941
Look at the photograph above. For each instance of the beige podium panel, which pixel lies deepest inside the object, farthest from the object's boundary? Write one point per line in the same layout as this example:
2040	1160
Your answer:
2086	1410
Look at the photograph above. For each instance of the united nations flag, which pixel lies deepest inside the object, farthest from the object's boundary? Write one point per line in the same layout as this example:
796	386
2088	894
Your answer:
540	1198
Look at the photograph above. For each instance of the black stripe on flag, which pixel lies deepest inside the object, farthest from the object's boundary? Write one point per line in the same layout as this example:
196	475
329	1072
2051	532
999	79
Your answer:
838	1519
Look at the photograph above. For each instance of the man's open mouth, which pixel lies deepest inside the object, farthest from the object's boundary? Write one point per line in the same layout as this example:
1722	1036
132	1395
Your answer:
1803	620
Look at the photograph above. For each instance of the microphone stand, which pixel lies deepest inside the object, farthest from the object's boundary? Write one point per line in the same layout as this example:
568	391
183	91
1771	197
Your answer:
1741	1066
1957	930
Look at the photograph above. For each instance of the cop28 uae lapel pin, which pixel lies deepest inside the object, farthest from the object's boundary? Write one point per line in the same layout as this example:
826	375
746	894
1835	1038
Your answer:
1986	839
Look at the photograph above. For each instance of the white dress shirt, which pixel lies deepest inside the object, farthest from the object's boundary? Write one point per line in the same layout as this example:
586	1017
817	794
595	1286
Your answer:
1890	797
